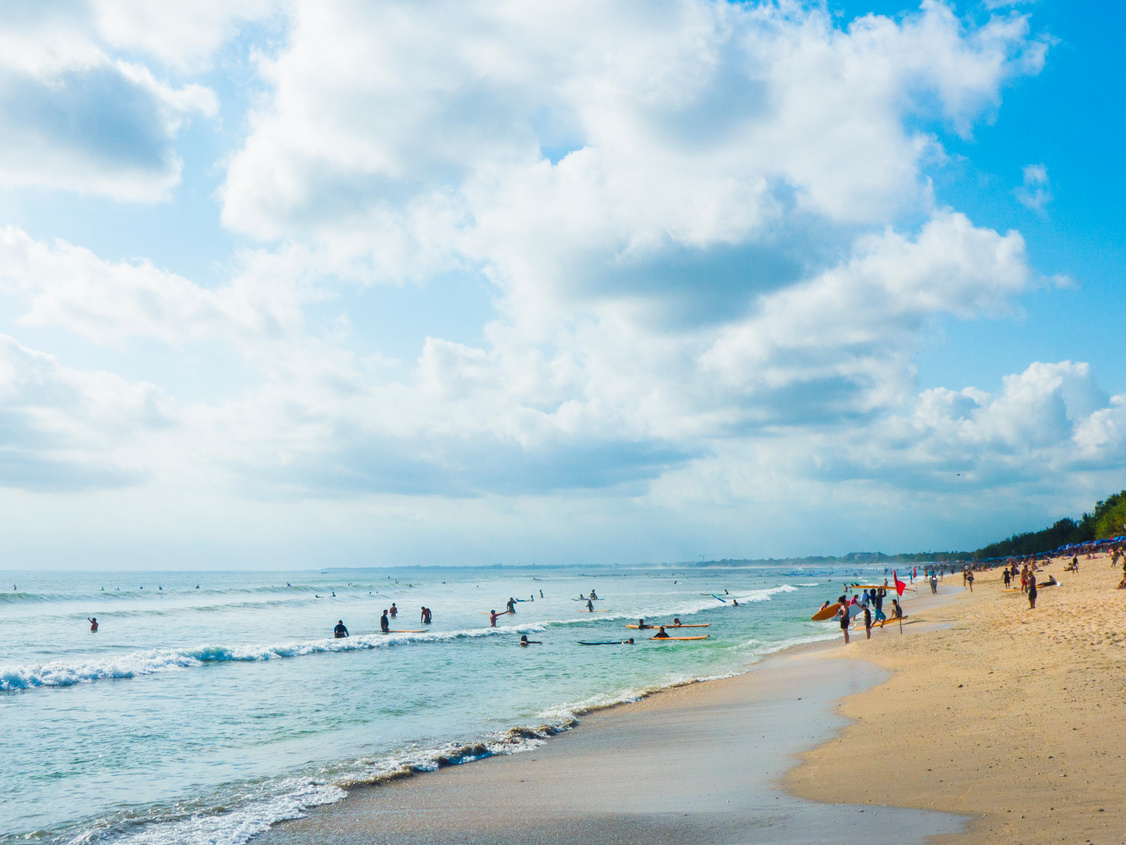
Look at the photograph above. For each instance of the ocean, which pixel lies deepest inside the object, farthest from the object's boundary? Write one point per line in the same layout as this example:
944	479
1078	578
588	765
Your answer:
210	705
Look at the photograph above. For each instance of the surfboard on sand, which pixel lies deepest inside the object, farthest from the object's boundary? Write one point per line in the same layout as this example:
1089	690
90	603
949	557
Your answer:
662	639
673	627
606	642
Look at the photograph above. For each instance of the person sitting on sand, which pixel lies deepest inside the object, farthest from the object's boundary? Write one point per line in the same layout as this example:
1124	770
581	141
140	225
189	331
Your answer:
1051	582
340	632
93	620
384	623
661	635
524	641
896	610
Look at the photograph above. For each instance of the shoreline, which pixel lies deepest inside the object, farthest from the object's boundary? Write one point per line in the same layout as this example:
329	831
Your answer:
617	776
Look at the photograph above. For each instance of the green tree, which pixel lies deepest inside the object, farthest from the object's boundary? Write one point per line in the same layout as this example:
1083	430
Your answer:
1110	516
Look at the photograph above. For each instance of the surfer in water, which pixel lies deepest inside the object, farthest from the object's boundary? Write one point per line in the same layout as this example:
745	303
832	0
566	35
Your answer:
524	641
590	605
340	632
593	595
676	622
93	620
384	623
511	605
735	602
493	618
661	634
641	626
393	612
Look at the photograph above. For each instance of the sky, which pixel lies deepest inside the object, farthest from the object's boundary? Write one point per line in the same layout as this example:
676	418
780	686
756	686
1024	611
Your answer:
338	283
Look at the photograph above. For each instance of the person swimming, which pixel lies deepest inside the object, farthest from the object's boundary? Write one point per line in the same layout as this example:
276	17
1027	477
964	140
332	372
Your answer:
340	632
526	642
661	635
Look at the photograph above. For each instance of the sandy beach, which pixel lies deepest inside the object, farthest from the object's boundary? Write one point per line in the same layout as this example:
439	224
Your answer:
1016	717
1002	722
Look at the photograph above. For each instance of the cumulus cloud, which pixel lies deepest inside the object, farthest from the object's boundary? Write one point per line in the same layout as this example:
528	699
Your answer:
63	429
73	117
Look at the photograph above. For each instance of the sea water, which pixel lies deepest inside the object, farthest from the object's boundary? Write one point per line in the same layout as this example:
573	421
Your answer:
210	705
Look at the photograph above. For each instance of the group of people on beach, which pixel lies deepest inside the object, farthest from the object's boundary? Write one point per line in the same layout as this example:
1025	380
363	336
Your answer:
870	603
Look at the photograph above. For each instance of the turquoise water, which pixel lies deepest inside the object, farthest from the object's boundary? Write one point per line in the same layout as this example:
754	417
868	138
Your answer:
210	705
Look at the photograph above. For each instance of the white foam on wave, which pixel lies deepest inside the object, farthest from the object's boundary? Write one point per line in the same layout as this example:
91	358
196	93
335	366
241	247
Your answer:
156	661
235	827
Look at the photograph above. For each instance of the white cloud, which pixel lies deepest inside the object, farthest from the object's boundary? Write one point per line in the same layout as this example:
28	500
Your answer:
75	118
1035	193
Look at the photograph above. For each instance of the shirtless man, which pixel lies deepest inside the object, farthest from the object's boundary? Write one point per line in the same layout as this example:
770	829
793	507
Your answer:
93	620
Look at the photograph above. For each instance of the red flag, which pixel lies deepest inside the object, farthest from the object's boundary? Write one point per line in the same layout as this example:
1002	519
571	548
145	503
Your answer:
899	585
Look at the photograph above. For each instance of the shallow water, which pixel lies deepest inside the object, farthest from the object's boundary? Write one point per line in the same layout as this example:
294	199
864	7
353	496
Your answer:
210	705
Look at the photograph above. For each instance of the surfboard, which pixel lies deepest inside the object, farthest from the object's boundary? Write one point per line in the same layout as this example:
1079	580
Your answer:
884	622
826	613
499	612
584	610
672	627
606	642
721	598
661	639
404	632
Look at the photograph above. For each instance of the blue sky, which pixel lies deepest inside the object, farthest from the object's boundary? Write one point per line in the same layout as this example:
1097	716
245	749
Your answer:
296	284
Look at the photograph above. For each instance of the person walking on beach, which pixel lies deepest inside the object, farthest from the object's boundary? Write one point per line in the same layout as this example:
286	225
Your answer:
340	632
1008	579
1032	593
970	578
867	623
934	583
842	614
93	620
384	623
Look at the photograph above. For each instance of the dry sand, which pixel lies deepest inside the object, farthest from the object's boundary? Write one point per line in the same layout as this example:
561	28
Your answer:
1014	716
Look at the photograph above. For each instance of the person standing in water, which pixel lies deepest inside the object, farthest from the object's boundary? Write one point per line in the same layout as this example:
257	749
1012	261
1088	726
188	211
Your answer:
93	620
511	605
394	611
340	632
493	618
590	605
384	623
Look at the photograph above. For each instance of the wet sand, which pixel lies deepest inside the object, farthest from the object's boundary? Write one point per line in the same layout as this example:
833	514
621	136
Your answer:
1014	716
700	764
